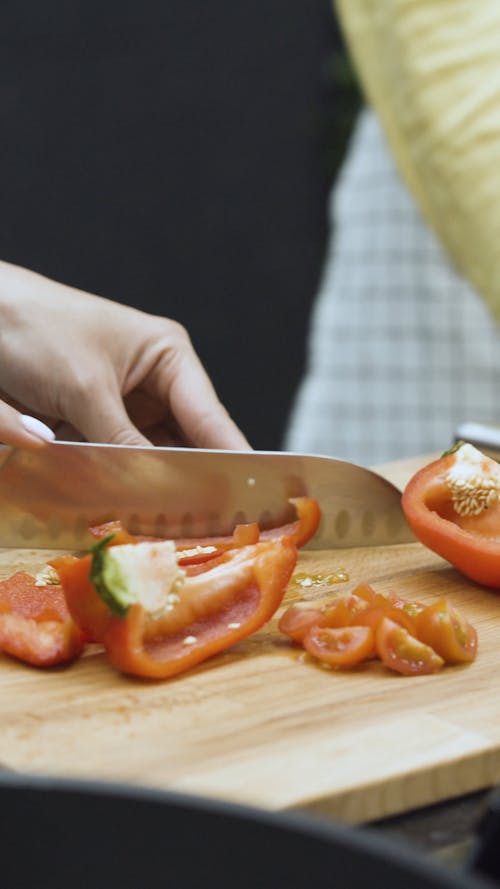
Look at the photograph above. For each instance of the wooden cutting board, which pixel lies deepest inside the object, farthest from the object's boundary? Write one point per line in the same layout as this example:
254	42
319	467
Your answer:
260	725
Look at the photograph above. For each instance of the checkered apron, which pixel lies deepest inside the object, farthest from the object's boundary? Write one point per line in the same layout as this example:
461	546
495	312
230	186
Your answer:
401	349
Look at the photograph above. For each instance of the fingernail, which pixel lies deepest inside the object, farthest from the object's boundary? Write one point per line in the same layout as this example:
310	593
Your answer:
36	427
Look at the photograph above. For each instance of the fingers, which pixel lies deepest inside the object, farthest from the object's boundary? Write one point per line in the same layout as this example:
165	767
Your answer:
102	418
22	431
185	386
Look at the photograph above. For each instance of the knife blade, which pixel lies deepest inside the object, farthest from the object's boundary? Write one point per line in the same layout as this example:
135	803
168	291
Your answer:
483	436
50	496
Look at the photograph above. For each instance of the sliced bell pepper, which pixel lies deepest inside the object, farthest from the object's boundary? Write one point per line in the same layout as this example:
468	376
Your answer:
305	525
221	602
85	605
35	624
452	505
90	611
196	550
189	551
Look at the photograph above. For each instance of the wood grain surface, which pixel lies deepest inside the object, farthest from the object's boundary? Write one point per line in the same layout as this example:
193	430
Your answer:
261	724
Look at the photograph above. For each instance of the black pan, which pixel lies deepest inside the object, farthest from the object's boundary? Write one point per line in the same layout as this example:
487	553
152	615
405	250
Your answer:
57	834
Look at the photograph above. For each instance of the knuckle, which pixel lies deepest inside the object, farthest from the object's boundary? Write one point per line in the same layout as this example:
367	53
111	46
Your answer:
179	331
81	384
173	334
169	348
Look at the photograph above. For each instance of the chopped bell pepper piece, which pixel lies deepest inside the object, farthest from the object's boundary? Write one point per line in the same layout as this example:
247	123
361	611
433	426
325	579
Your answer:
35	624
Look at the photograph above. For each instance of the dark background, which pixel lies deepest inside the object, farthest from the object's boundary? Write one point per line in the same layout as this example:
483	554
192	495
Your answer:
177	156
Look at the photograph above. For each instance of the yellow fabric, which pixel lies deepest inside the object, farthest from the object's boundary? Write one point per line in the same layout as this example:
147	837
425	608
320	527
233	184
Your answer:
431	71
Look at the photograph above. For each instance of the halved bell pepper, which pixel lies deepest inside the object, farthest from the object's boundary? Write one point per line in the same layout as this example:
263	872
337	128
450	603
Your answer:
221	602
452	506
35	624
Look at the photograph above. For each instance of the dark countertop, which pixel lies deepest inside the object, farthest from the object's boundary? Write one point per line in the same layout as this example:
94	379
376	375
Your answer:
446	830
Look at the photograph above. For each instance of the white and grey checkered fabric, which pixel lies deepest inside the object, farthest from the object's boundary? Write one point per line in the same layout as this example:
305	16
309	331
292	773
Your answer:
401	349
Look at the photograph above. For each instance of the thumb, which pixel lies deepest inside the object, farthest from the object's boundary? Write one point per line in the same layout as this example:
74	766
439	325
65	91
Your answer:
103	419
21	430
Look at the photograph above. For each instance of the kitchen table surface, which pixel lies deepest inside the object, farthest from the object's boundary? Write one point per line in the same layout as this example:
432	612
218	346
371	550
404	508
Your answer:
411	756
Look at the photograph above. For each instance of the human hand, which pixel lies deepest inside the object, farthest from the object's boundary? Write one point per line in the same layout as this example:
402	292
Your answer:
80	366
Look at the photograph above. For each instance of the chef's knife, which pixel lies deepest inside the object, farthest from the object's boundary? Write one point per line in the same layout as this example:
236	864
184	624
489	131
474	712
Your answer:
50	496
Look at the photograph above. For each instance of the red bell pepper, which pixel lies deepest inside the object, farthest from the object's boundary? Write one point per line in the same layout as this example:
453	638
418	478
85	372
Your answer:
35	624
195	550
452	506
222	602
86	607
305	525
